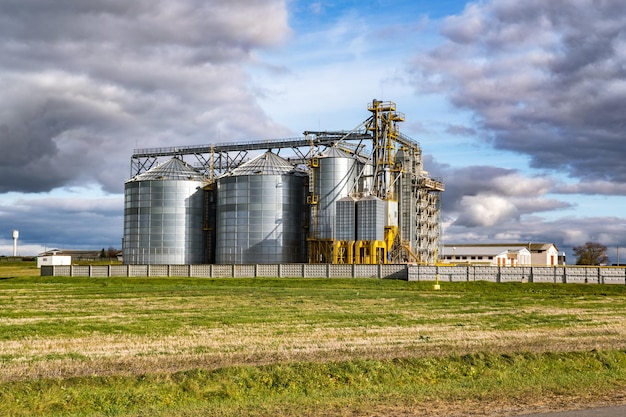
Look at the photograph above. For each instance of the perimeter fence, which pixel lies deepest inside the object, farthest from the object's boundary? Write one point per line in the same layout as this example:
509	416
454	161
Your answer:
552	274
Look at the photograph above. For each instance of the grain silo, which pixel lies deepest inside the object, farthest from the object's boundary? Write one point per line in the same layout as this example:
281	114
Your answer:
370	215
163	210
260	213
345	221
370	246
334	176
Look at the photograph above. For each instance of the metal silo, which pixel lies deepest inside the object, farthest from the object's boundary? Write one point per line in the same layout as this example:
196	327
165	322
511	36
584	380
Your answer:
371	215
346	219
334	178
210	213
260	213
163	215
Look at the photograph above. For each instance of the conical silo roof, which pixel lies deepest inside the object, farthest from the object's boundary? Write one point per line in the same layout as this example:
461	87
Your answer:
265	164
174	169
334	152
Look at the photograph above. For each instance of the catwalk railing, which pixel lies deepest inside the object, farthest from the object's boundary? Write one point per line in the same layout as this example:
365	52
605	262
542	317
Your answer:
551	274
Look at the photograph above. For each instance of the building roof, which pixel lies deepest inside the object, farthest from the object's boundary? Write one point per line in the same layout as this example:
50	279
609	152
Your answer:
541	246
174	169
75	253
482	249
528	245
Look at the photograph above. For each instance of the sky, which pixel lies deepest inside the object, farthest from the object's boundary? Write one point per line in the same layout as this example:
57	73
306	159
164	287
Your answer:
518	106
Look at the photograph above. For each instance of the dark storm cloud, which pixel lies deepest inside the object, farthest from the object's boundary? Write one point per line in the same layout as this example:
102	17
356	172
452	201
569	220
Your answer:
86	82
543	78
56	222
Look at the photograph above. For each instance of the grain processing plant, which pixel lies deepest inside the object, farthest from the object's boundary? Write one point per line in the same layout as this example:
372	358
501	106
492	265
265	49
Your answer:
348	197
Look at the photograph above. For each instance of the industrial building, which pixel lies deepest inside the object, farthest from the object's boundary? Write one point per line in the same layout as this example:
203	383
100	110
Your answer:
348	197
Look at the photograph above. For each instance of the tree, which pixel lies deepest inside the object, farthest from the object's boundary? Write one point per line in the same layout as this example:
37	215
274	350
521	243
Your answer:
112	252
591	253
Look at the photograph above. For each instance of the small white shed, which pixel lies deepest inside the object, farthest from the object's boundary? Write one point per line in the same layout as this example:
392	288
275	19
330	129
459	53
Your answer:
53	260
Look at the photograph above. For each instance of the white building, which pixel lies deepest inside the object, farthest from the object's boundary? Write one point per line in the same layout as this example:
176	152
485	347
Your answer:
546	254
53	260
498	254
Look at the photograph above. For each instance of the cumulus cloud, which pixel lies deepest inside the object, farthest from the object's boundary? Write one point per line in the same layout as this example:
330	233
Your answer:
484	204
543	78
86	82
485	197
475	180
485	210
565	232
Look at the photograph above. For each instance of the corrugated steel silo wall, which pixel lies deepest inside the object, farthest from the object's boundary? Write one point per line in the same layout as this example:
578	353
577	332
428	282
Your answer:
209	225
260	219
334	179
370	217
163	222
345	223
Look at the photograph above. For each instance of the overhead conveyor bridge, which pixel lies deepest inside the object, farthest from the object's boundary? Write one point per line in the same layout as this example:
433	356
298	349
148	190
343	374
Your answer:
216	158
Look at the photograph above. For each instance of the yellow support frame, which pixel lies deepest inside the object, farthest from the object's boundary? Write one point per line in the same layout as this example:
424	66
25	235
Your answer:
343	252
321	251
370	252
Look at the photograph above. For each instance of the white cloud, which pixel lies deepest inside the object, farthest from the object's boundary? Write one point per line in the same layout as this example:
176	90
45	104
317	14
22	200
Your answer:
485	211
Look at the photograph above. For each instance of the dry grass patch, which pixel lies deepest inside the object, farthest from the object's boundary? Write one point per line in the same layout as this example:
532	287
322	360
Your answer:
234	345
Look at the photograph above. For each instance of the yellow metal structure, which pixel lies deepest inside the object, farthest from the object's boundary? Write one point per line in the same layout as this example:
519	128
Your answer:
370	252
411	229
321	251
343	252
382	126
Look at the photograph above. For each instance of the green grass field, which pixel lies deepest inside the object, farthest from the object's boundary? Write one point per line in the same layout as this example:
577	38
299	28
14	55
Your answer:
304	347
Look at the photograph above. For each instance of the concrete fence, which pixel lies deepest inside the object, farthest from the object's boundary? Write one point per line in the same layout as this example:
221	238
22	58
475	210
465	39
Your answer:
230	271
559	274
